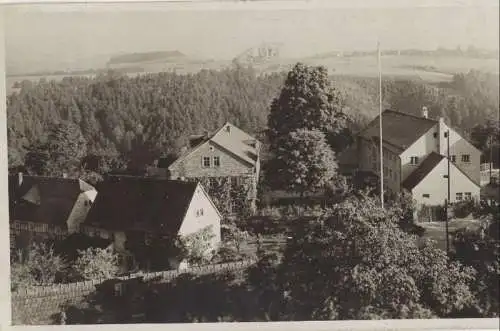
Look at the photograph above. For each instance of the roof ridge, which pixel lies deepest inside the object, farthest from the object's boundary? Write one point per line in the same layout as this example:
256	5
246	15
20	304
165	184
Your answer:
410	115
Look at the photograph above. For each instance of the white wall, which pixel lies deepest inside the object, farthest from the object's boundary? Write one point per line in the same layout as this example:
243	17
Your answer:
193	222
80	210
458	147
420	148
436	185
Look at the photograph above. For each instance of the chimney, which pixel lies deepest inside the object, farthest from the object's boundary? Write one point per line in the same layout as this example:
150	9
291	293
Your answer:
20	178
205	133
425	112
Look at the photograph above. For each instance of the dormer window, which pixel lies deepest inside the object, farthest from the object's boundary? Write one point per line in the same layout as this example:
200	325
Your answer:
414	160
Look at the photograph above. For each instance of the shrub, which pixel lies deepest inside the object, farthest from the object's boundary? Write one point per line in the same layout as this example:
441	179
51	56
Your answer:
96	263
464	208
39	266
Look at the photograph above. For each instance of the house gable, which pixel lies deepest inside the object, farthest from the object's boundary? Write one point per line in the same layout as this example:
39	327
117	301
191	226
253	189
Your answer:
192	164
200	214
459	146
432	189
421	148
229	138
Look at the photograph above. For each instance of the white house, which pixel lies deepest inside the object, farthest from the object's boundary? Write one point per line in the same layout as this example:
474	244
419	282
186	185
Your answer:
414	157
137	211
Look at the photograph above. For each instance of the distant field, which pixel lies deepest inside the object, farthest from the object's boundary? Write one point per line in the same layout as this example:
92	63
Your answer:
426	68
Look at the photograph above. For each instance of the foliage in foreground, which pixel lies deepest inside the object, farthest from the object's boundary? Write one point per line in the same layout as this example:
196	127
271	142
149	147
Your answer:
366	267
481	250
39	265
96	263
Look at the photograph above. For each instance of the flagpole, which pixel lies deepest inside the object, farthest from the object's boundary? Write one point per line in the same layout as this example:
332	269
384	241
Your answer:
380	125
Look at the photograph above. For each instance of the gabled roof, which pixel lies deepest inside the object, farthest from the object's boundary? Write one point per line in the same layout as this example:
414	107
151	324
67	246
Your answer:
47	200
231	139
429	163
126	203
399	129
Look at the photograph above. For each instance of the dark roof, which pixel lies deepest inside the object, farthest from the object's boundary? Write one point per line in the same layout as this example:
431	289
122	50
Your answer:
50	199
429	163
399	129
126	203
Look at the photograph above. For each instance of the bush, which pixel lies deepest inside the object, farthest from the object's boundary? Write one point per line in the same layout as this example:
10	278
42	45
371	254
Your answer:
39	266
96	263
464	208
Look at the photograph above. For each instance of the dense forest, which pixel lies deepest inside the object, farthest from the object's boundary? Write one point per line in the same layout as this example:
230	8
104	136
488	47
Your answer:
140	118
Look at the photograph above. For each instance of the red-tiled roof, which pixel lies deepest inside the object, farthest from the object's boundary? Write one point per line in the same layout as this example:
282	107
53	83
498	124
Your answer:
429	163
399	129
48	200
126	203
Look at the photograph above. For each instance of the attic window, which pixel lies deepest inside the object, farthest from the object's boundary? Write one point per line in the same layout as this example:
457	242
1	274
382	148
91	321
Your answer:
414	160
211	148
425	195
435	134
228	128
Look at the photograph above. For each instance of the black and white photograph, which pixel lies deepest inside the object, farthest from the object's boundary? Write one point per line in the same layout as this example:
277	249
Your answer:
252	161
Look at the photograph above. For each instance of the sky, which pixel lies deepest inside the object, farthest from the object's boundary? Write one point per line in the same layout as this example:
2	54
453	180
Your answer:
55	37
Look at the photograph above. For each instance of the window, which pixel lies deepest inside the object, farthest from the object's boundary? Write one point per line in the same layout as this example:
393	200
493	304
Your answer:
425	195
216	161
446	134
199	212
459	196
468	196
414	160
435	134
212	182
206	161
466	158
453	158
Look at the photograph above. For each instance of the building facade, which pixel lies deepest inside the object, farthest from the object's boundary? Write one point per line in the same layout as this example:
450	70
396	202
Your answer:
410	144
229	153
141	215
